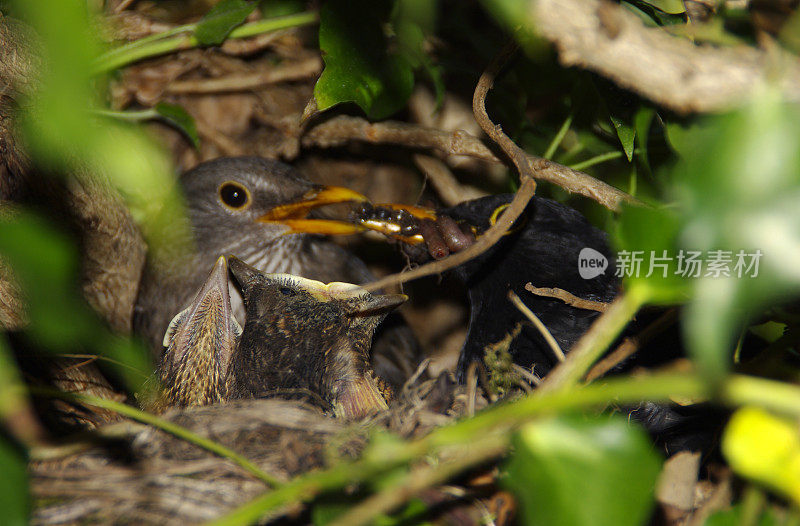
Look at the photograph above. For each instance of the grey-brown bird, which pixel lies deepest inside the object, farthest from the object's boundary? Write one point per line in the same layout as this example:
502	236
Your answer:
303	334
257	209
200	343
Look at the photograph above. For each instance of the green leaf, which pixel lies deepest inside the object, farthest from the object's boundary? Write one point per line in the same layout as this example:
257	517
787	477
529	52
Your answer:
737	516
575	471
626	134
178	117
358	64
764	448
275	8
330	507
14	494
673	7
45	263
652	15
215	27
642	121
738	184
410	514
64	136
647	256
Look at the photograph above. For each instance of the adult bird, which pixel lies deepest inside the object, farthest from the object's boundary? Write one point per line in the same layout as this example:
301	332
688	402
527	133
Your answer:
301	334
257	209
542	248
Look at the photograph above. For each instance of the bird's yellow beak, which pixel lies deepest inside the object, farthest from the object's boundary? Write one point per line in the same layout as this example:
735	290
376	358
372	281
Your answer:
389	224
293	214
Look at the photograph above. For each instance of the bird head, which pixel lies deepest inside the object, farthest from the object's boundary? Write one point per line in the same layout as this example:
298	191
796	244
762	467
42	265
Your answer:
248	198
200	342
321	332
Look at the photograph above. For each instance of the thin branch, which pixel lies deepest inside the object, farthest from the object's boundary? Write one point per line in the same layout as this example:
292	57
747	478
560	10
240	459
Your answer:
495	131
507	218
444	182
281	73
594	342
675	72
339	130
568	298
543	330
629	346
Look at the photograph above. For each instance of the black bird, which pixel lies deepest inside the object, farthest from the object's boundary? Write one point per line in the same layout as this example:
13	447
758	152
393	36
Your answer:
306	335
256	208
199	345
542	248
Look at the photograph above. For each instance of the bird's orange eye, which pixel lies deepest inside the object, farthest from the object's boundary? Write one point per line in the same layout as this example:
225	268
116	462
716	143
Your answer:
234	195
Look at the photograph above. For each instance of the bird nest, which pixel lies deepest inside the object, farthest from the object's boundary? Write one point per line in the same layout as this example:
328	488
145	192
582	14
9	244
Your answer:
138	474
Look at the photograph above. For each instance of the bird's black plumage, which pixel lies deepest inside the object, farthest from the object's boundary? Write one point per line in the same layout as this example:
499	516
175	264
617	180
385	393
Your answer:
543	249
229	202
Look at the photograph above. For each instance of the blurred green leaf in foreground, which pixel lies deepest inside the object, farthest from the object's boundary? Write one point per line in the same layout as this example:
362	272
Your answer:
63	134
579	471
45	262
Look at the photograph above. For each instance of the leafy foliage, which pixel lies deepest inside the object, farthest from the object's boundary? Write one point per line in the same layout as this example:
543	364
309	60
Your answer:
360	64
221	19
178	117
45	262
14	495
606	464
765	448
723	183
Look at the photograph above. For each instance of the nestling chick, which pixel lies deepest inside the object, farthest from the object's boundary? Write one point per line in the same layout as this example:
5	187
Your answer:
303	334
200	343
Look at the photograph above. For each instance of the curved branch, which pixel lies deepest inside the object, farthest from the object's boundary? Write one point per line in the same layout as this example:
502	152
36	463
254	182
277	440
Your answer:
339	130
674	72
515	208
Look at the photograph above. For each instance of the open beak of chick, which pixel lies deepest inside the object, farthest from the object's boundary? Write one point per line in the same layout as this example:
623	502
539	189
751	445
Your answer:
200	343
294	214
347	380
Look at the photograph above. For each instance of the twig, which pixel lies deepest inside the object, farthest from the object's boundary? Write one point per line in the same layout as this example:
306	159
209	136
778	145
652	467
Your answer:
629	346
444	182
568	298
281	73
507	218
545	332
594	342
164	425
339	130
472	388
495	131
674	72
527	375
